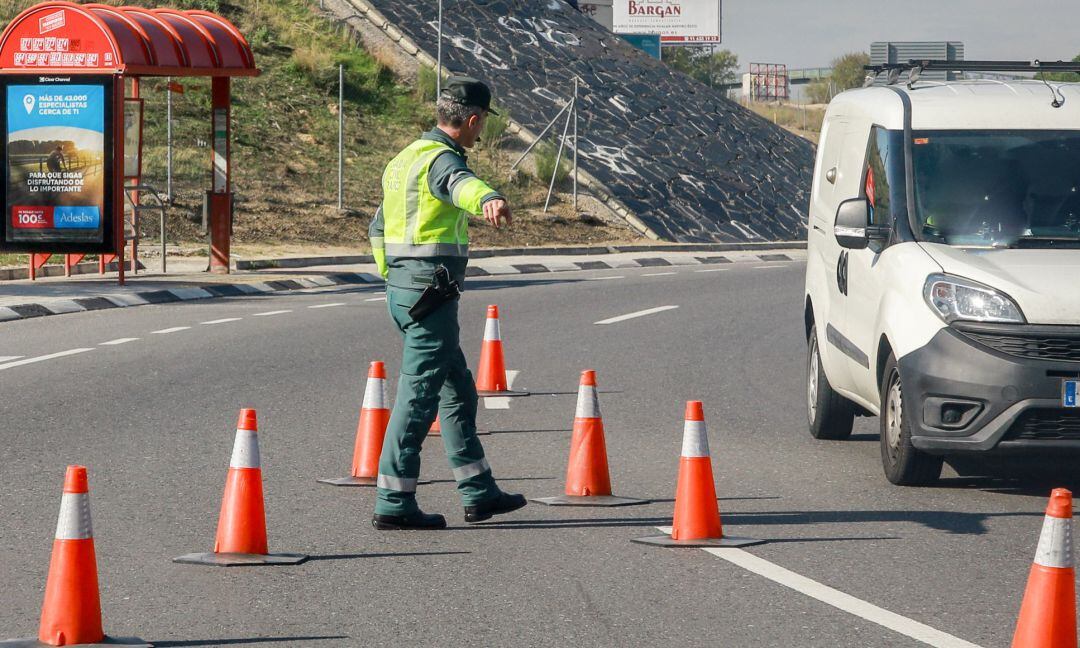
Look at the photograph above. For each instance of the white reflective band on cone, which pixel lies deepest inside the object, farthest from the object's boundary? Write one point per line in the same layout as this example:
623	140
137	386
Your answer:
245	451
375	394
1055	543
74	521
588	404
694	441
471	470
399	484
491	329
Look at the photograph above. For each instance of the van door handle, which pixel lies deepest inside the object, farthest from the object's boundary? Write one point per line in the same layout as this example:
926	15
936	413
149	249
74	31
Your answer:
818	229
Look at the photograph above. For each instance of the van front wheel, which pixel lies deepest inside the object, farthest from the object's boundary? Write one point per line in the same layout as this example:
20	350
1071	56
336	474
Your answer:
829	414
904	464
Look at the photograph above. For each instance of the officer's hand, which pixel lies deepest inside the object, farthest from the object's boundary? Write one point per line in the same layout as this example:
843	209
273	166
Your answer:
497	212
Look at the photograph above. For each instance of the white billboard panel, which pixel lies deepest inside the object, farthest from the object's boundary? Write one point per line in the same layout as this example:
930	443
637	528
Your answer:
679	22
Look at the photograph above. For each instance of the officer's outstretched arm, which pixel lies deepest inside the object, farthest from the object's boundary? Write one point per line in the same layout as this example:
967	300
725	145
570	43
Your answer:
378	246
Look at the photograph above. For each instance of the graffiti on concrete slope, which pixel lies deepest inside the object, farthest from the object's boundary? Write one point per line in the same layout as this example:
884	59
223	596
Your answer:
690	164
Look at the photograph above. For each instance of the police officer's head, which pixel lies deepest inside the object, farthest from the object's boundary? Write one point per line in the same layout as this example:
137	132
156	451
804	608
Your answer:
462	109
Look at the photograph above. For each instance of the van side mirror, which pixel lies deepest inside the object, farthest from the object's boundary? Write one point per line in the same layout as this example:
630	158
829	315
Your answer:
852	229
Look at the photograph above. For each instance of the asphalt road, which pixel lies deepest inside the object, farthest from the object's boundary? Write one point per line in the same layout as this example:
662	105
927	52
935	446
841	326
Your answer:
153	418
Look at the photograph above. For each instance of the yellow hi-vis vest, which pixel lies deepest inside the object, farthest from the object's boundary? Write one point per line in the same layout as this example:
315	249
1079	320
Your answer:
417	224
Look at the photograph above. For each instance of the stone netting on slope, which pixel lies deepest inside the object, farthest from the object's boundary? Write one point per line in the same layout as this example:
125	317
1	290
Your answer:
691	164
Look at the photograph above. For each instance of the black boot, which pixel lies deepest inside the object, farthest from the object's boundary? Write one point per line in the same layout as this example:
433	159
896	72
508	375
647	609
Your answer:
504	503
417	520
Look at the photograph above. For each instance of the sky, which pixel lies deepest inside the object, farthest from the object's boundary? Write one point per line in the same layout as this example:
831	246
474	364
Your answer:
810	33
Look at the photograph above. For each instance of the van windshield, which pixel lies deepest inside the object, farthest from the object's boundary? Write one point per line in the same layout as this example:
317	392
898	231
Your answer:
998	188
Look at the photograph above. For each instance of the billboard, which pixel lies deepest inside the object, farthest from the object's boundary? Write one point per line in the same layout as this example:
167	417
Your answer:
678	22
57	164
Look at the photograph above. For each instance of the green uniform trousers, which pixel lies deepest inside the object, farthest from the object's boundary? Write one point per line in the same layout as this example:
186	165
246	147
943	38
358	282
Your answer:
434	379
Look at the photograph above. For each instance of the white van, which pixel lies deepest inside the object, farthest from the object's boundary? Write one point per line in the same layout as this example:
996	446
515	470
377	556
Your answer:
943	272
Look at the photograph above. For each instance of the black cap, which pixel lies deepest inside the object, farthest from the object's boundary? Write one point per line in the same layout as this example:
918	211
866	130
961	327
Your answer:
468	92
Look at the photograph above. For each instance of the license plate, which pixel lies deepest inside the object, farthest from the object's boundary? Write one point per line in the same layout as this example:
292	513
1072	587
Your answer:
1070	393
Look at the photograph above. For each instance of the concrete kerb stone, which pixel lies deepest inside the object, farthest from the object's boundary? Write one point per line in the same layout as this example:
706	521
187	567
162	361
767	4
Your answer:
8	314
188	294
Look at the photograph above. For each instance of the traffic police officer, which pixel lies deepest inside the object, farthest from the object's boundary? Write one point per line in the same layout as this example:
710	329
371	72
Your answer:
422	225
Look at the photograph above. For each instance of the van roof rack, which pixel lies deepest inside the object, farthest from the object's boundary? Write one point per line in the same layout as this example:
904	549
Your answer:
976	66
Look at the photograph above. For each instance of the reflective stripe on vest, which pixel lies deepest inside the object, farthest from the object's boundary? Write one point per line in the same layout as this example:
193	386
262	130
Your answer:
416	223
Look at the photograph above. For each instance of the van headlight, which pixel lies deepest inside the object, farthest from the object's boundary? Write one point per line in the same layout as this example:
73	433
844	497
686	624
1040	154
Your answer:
954	298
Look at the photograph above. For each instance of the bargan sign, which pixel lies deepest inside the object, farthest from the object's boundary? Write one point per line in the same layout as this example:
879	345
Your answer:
678	22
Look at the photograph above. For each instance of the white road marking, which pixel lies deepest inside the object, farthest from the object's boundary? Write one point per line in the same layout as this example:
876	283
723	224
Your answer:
224	320
327	305
502	402
19	363
277	312
836	598
712	270
604	278
642	313
658	274
170	330
373	299
118	341
767	267
8	358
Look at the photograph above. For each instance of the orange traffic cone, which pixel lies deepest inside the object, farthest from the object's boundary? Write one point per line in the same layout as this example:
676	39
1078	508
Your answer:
436	429
241	532
491	376
1048	613
697	516
588	482
374	415
71	613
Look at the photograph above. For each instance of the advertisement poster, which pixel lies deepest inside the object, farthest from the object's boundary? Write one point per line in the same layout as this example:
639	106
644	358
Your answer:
678	22
55	175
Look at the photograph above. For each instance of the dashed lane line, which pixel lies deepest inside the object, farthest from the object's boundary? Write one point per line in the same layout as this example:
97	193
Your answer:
712	270
658	274
502	402
834	597
224	320
174	329
62	354
327	305
641	313
4	359
268	313
118	341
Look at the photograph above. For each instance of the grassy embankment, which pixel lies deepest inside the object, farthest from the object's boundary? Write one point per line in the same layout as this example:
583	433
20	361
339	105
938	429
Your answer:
285	142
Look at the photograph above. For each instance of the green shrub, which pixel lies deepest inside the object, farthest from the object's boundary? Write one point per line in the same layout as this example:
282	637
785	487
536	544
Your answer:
426	85
545	155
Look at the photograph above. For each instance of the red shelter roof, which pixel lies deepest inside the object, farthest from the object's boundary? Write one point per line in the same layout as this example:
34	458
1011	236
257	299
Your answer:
94	38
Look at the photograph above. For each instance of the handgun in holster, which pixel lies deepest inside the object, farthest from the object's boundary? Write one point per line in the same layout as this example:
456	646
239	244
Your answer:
441	290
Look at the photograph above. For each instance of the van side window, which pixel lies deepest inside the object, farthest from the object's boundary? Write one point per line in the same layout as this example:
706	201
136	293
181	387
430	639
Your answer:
876	178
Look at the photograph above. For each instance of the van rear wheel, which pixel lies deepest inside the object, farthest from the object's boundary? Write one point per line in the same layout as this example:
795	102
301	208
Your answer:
830	415
904	464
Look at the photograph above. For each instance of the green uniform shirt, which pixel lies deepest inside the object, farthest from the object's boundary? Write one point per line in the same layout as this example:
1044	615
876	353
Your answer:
449	180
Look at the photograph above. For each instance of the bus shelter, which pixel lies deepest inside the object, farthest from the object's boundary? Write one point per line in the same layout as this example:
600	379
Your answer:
71	120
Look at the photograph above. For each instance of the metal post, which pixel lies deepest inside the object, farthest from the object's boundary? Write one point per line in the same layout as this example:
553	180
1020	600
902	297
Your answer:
168	139
575	113
341	139
558	158
540	136
438	58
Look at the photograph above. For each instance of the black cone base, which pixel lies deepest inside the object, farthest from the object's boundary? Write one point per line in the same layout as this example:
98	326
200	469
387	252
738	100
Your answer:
239	559
349	481
726	541
590	500
109	641
509	392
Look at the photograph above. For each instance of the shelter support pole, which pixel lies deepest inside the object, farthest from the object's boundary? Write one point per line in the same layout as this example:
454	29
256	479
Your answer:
221	196
135	94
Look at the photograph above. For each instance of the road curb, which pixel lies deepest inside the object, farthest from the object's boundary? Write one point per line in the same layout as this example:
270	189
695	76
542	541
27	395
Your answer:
498	266
309	261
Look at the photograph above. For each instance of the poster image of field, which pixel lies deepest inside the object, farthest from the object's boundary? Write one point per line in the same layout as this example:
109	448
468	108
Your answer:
55	163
